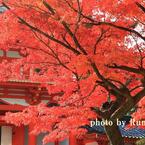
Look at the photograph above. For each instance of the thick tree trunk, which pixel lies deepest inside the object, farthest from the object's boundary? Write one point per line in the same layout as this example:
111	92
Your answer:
114	135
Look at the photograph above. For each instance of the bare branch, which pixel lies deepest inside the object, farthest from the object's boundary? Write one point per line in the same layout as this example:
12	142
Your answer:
140	6
127	68
82	98
139	96
116	26
108	83
98	40
66	26
54	54
136	87
94	22
73	37
140	52
49	7
46	35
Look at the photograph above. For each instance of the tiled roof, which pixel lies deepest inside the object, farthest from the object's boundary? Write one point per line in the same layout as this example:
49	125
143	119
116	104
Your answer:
135	132
2	9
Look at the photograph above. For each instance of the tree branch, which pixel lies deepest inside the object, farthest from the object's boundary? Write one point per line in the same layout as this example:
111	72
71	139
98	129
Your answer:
66	26
127	68
73	37
118	27
108	83
139	96
45	34
49	7
93	22
140	6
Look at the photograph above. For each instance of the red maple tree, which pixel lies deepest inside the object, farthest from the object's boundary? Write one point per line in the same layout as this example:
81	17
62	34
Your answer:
87	49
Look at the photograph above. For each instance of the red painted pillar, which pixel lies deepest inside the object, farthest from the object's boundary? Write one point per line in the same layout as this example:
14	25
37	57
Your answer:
56	142
72	140
18	135
31	137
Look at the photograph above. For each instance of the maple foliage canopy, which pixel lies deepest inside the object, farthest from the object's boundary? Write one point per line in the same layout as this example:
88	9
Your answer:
87	49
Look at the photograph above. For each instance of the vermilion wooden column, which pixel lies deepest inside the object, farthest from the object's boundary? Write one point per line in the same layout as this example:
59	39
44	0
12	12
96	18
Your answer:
31	137
56	142
72	140
18	135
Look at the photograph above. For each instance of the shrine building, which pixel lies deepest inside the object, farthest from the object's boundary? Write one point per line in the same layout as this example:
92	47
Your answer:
15	95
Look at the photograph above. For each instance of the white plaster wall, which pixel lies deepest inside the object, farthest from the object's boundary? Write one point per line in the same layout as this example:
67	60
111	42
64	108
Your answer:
92	143
6	135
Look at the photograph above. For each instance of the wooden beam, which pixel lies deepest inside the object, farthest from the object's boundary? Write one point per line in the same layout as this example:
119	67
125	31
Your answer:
7	91
12	107
18	84
28	90
13	97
